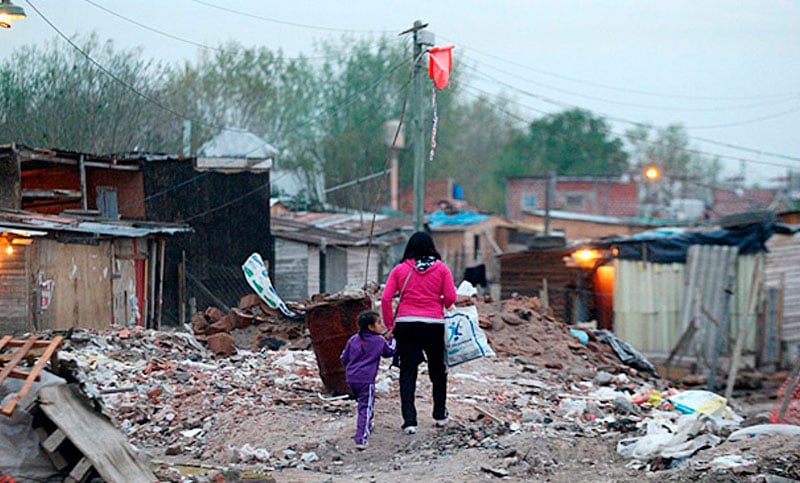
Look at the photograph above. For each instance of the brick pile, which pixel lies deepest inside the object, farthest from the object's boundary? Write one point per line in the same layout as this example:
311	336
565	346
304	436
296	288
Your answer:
252	325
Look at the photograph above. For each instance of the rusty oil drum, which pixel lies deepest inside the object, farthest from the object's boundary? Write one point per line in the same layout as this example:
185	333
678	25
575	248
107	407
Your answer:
330	323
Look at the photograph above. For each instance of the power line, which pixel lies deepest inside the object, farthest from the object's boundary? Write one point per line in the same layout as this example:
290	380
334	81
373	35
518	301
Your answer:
578	144
175	37
100	66
285	22
640	106
751	150
616	88
613	118
166	108
147	27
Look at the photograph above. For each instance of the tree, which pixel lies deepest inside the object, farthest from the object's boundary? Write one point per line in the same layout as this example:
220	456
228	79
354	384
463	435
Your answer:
363	84
685	172
255	89
571	143
55	97
470	137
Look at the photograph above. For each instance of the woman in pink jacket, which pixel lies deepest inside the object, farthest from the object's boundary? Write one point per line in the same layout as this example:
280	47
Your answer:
426	288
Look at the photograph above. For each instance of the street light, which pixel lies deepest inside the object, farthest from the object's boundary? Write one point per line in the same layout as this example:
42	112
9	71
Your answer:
652	173
10	12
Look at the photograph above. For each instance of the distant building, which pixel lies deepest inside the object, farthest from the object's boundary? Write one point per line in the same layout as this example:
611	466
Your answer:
615	197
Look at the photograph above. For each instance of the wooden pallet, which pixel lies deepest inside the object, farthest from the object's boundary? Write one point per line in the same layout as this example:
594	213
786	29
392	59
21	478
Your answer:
82	444
29	350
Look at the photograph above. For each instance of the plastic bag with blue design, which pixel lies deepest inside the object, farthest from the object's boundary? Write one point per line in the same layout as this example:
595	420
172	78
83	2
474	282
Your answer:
464	340
256	274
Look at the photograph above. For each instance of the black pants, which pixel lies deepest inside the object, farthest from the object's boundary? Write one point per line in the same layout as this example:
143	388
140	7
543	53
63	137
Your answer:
414	339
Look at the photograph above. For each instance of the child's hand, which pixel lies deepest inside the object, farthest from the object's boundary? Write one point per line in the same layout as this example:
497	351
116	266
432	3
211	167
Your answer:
388	334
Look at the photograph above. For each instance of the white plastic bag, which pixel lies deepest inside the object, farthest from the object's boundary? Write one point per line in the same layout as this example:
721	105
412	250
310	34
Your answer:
463	338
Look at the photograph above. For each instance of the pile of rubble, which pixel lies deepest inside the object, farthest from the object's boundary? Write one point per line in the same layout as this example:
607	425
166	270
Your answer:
250	404
250	326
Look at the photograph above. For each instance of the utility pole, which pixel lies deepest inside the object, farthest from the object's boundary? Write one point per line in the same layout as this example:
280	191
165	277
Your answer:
422	38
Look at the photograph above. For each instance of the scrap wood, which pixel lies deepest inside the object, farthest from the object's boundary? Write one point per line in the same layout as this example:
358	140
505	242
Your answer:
103	445
490	415
22	352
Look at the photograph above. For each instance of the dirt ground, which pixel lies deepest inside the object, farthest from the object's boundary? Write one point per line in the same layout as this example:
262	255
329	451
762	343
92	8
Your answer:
546	408
473	447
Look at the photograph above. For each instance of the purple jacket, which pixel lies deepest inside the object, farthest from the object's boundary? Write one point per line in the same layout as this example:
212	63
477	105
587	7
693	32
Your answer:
361	357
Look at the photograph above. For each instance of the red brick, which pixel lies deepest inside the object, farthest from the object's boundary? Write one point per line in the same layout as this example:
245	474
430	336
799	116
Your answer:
213	314
248	301
225	324
222	344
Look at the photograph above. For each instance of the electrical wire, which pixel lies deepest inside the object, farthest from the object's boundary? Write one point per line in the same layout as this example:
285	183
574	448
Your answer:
284	22
133	89
511	115
147	27
616	88
640	106
614	118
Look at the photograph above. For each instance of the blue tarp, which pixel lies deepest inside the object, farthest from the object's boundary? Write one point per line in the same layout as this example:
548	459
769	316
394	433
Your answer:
439	218
672	248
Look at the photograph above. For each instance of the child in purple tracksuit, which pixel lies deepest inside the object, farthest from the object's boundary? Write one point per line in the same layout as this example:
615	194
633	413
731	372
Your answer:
361	358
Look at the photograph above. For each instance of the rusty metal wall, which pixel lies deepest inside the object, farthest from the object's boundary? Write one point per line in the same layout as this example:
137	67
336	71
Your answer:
523	273
783	273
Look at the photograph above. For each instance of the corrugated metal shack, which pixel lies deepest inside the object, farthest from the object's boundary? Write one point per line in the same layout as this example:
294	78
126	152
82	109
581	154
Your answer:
694	293
58	272
782	280
314	260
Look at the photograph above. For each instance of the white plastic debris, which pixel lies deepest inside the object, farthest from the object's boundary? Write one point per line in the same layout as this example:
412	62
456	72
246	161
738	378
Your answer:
466	289
309	457
249	453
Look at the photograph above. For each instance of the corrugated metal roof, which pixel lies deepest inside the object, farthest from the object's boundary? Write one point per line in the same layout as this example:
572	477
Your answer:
236	144
38	223
310	234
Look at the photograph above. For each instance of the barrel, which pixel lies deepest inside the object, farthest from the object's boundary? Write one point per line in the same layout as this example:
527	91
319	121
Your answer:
330	324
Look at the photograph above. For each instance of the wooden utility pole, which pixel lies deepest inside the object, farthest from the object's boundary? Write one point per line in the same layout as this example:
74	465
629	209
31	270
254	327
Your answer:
422	38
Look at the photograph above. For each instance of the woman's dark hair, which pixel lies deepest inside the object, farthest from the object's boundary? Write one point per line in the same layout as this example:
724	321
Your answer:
420	245
367	318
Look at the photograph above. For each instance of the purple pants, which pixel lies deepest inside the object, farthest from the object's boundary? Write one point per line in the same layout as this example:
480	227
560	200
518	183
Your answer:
365	396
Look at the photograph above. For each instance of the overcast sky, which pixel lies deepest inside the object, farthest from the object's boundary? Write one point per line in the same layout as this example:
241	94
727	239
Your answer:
727	70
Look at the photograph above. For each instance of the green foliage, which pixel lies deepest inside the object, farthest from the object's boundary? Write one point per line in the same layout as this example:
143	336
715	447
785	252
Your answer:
571	143
54	97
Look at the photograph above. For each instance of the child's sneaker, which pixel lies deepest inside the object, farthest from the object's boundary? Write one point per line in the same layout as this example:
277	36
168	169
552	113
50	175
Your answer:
361	447
440	423
410	430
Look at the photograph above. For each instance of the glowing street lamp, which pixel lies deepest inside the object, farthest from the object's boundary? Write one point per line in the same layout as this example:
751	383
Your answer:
652	173
10	12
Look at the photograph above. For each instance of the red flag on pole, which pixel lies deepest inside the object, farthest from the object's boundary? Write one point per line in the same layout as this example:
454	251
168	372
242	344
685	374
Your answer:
441	63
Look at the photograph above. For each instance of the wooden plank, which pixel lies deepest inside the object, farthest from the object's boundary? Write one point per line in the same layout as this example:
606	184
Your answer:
94	436
4	341
53	441
37	368
80	472
18	356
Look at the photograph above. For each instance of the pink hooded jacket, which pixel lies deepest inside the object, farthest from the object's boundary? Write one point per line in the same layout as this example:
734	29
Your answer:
425	296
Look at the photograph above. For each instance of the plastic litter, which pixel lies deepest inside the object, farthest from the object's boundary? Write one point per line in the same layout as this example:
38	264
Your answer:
626	353
582	336
765	429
